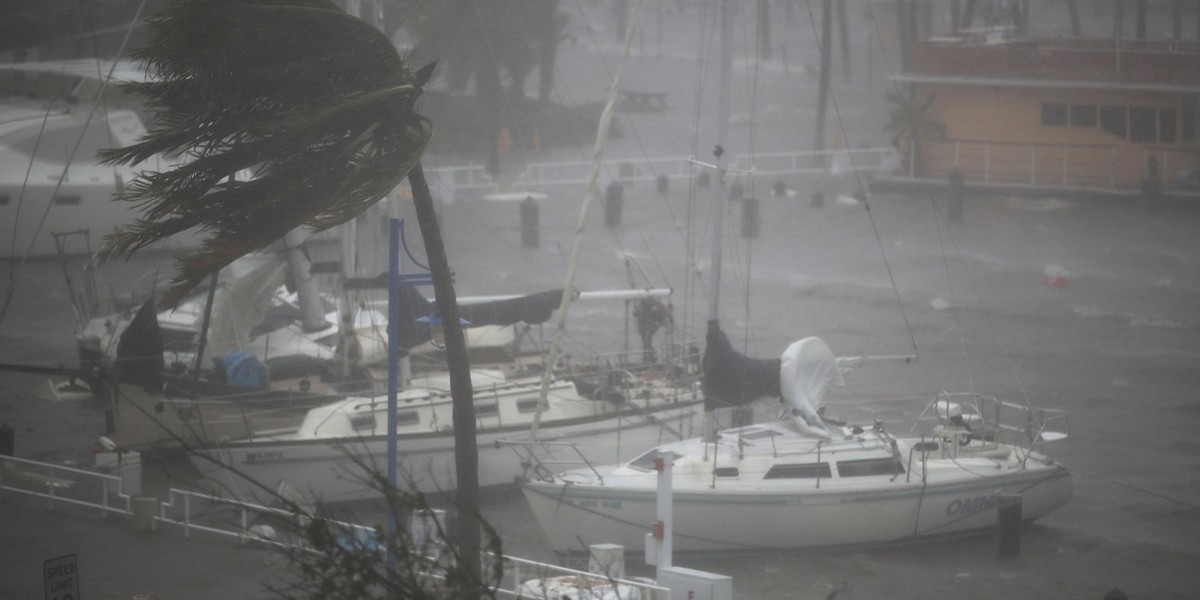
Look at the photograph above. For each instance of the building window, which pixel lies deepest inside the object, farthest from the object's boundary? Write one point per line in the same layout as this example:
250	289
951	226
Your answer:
67	200
1142	125
1083	115
1166	126
1112	120
1054	114
1188	122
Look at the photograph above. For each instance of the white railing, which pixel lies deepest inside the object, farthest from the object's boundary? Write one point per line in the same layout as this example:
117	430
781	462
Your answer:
1055	165
194	511
473	181
60	484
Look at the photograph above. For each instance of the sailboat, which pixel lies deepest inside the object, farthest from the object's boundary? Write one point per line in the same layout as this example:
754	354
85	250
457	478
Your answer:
809	481
806	480
598	415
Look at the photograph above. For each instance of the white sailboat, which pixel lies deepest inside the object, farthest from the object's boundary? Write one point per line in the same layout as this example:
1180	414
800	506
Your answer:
330	455
790	485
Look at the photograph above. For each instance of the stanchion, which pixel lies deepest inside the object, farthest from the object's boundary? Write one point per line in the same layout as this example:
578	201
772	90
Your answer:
529	223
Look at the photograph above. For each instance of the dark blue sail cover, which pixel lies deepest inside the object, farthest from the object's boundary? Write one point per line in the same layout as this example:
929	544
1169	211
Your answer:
733	379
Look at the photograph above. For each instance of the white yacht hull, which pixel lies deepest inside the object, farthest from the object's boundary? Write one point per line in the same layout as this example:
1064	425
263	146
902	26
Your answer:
712	520
335	470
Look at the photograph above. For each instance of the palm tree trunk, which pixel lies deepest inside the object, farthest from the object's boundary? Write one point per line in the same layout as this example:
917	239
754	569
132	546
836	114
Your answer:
466	455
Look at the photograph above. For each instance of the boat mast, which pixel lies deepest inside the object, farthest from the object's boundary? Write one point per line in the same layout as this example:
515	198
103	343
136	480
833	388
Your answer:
718	219
588	197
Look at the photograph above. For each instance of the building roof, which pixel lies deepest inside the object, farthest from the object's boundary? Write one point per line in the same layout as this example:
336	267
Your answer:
1077	64
1060	84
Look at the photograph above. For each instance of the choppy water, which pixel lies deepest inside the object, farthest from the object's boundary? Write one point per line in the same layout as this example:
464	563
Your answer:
1120	355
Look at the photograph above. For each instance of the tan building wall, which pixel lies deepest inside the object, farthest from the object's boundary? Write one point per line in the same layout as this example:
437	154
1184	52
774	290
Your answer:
998	134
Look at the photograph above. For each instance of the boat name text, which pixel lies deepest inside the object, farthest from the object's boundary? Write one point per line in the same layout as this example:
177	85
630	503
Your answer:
970	506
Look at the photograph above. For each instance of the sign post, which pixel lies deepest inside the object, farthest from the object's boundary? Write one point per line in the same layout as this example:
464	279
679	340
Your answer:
62	578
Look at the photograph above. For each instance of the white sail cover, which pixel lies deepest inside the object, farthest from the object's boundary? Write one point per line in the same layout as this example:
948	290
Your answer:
244	290
807	370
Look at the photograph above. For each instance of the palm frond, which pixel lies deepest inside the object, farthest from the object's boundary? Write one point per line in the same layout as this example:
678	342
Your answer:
316	103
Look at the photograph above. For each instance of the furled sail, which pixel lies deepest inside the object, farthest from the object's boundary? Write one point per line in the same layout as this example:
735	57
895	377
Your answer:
140	350
533	309
733	379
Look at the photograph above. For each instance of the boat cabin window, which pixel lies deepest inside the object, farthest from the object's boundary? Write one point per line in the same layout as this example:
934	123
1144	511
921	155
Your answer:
67	200
407	417
527	406
873	466
645	462
726	472
175	340
804	471
363	422
486	410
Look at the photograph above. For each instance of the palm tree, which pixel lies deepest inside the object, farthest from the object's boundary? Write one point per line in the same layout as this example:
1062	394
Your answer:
909	126
321	110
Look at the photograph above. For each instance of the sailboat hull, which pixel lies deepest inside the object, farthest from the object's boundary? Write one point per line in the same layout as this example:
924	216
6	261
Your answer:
337	469
574	516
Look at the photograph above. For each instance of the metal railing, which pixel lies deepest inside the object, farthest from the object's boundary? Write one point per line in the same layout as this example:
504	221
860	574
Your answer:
473	180
53	482
1066	165
194	511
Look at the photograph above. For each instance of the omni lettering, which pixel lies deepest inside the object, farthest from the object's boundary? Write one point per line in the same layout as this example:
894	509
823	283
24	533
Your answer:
970	506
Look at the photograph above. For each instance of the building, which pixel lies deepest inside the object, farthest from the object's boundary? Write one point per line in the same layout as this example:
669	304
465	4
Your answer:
1102	114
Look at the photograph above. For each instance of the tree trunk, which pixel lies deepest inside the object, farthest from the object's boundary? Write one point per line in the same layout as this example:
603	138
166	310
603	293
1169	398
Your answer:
621	16
764	29
466	455
826	63
1141	19
548	52
1018	19
904	38
1176	20
968	15
844	33
1118	19
1073	13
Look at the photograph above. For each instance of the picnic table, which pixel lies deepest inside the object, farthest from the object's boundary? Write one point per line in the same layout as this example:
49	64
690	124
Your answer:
643	101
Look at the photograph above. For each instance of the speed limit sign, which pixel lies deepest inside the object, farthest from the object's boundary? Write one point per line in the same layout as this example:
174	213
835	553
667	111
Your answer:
62	578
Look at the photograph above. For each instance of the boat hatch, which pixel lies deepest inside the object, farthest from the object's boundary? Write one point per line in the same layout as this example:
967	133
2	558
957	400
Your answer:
645	462
799	471
869	467
751	433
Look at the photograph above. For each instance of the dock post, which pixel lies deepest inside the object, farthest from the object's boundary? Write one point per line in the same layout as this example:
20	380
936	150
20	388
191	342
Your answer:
1008	524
